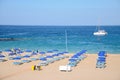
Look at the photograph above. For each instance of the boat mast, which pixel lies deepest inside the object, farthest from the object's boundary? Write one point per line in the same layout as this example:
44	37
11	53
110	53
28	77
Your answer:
99	26
66	41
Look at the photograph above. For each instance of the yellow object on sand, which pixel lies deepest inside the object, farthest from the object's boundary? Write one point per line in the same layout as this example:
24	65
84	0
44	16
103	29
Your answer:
33	67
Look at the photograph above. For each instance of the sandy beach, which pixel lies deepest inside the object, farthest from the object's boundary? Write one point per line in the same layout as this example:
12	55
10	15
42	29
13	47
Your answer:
85	70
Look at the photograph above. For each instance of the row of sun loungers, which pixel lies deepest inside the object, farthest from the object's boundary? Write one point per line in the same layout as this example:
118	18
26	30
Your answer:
51	58
73	61
45	59
19	58
101	60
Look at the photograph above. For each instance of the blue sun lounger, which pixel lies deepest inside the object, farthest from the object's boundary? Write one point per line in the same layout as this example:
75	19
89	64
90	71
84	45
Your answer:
25	61
2	58
17	63
76	58
101	60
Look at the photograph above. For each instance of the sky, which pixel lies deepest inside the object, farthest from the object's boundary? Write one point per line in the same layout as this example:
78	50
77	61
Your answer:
59	12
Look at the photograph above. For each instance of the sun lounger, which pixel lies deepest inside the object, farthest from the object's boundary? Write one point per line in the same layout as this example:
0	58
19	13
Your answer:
44	63
101	60
25	61
17	63
65	68
34	59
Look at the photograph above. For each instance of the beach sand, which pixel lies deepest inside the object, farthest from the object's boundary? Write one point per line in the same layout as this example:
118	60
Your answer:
85	70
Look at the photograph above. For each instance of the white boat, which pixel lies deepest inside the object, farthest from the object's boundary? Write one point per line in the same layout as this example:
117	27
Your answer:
100	32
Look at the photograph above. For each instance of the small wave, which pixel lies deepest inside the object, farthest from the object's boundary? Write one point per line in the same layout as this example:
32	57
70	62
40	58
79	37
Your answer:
12	34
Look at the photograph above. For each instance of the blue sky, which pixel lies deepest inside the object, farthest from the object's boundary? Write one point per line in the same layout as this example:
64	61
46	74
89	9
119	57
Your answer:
59	12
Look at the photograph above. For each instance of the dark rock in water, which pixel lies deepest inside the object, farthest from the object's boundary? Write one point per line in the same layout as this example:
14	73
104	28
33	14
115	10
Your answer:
8	39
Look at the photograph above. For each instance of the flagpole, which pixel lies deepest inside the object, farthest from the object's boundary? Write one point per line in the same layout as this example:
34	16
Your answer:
66	42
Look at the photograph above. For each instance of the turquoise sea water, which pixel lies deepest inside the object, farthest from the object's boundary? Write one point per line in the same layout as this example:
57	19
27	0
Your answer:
46	38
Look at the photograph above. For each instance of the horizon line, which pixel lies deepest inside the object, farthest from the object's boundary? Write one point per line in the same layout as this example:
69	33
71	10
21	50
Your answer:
55	25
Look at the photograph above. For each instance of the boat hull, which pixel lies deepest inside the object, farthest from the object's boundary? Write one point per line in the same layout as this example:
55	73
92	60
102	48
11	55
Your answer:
99	34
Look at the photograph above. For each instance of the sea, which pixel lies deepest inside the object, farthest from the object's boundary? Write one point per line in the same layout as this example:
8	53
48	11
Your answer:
47	38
